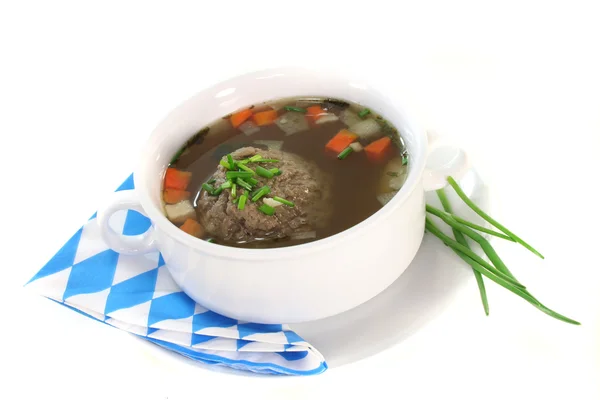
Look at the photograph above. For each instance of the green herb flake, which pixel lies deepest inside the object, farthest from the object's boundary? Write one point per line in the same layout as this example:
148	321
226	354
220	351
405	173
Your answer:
345	153
364	112
267	209
295	109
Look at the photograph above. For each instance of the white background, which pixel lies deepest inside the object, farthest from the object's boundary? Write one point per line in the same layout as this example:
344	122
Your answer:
517	83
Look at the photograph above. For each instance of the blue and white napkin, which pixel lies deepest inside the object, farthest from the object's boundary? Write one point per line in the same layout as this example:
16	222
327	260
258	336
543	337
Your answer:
138	295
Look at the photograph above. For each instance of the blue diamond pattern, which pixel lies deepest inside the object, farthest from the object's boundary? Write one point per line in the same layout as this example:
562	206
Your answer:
200	338
62	260
211	319
93	274
131	292
127	184
135	223
293	355
251	329
292	337
172	306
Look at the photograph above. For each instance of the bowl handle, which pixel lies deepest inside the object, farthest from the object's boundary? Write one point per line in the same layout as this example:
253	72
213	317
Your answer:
443	159
130	245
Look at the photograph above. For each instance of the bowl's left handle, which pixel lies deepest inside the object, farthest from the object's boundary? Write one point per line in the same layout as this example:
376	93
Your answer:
138	244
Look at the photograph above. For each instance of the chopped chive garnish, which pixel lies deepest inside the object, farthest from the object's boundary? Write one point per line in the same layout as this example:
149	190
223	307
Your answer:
237	174
243	184
262	191
233	190
267	209
224	164
344	153
242	202
255	158
177	155
211	181
364	112
251	181
230	161
217	191
235	201
208	188
275	171
404	159
244	161
226	185
244	168
265	173
283	201
210	240
268	160
296	109
390	173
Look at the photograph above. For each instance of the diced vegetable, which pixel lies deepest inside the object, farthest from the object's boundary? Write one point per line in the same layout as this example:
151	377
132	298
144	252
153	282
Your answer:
172	196
226	185
275	171
325	118
178	213
192	227
251	181
283	201
379	150
356	147
315	112
242	202
176	179
211	181
271	144
217	191
224	164
265	117
265	173
243	184
303	235
292	122
234	190
349	117
240	117
364	112
267	209
230	161
393	176
404	159
249	128
255	158
295	109
340	141
345	153
385	198
270	202
368	129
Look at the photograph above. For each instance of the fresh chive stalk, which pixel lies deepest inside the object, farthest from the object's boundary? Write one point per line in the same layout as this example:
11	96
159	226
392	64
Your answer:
489	219
261	192
283	201
237	174
243	183
345	153
275	171
211	181
251	181
209	188
265	173
230	161
364	112
234	190
226	185
461	239
245	168
404	159
224	164
177	155
255	158
269	160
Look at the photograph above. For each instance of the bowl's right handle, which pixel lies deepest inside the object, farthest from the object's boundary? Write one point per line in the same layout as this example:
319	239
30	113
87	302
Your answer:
138	244
443	159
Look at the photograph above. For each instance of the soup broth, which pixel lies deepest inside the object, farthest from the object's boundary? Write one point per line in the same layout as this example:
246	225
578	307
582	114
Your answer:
284	173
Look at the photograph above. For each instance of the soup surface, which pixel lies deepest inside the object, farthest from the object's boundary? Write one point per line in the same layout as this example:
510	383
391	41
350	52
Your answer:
284	173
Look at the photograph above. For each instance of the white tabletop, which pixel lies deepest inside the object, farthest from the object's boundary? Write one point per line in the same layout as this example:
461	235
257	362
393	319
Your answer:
517	84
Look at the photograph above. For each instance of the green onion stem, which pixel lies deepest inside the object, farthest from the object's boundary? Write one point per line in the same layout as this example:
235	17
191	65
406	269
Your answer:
224	164
344	153
261	192
251	181
208	188
364	112
226	185
230	160
275	171
234	190
243	184
211	181
283	201
479	227
267	209
177	155
242	202
296	109
461	239
237	174
255	158
269	160
265	173
431	227
245	168
489	219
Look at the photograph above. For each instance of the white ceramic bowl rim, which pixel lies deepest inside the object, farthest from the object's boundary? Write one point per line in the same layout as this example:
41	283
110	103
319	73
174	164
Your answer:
416	167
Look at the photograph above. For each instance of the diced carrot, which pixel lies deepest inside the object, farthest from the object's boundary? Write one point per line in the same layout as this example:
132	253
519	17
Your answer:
240	117
174	196
379	150
340	141
192	227
315	112
175	179
264	117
